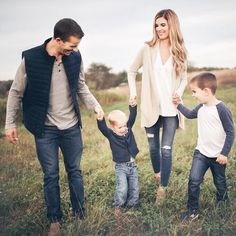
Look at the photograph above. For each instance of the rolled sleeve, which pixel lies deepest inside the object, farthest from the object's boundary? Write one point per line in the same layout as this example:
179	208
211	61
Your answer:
84	93
15	96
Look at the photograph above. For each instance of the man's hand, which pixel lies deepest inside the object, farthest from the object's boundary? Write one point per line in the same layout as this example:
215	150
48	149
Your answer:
11	135
99	113
221	159
132	101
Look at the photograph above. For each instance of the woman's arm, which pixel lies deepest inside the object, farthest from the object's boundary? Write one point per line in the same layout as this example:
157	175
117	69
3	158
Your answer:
183	82
132	72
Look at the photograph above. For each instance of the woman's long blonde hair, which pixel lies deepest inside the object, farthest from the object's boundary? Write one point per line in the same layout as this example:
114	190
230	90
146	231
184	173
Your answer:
178	50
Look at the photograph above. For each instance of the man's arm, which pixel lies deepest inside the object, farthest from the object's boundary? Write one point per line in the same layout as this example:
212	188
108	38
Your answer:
14	102
86	96
190	114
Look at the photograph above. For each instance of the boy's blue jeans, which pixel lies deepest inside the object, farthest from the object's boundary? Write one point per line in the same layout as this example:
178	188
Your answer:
199	167
70	143
127	187
162	157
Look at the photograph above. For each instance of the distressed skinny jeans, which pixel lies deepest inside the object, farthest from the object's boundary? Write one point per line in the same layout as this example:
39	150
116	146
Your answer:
161	152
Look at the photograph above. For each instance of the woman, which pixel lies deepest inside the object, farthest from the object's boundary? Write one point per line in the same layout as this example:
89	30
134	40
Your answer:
164	63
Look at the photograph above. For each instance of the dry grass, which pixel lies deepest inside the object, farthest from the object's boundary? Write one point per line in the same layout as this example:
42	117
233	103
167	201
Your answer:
22	209
224	77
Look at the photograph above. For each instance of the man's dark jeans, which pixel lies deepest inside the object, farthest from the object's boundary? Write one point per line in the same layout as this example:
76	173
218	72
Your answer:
70	143
200	165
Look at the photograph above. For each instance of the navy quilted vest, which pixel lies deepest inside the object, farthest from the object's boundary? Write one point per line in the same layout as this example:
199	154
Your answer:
39	65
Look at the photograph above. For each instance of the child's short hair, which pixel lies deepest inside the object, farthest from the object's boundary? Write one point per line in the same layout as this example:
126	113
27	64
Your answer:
205	80
116	116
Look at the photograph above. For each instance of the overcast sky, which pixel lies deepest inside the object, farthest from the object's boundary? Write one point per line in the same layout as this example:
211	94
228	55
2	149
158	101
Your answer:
116	29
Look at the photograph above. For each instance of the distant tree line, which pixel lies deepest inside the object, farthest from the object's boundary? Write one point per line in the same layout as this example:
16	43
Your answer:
192	68
4	87
98	76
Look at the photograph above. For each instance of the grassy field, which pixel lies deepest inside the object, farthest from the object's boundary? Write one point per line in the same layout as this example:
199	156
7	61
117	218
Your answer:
22	209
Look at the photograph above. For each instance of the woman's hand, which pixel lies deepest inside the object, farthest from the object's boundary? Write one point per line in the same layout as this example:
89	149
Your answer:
176	99
132	101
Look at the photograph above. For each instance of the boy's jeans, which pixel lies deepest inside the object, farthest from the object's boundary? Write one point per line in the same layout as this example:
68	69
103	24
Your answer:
127	187
70	143
162	159
200	165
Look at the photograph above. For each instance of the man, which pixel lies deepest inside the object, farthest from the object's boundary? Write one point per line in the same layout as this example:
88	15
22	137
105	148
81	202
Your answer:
47	83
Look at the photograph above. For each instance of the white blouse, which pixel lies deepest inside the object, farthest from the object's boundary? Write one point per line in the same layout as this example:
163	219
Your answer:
163	76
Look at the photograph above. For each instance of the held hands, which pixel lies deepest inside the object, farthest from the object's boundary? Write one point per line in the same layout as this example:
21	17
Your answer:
99	113
11	135
176	99
221	159
132	101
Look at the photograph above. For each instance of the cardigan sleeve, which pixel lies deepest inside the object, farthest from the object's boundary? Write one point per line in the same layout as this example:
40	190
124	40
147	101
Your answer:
133	70
183	83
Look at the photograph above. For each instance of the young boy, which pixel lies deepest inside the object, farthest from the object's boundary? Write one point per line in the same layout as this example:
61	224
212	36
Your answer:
215	139
124	150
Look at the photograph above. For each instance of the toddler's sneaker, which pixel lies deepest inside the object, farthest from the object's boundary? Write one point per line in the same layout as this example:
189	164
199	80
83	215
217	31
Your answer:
189	216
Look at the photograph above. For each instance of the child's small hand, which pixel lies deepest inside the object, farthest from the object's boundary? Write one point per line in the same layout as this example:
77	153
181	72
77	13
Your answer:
221	159
132	101
176	99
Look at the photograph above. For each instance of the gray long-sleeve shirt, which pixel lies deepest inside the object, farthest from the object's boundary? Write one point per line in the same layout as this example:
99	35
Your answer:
60	110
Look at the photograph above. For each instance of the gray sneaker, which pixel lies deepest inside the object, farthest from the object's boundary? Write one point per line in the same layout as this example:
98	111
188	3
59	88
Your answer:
189	216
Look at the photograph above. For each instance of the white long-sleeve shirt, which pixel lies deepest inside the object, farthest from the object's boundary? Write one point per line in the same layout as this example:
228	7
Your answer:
215	128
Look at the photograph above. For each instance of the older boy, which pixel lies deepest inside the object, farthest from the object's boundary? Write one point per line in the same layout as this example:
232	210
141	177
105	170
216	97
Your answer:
215	139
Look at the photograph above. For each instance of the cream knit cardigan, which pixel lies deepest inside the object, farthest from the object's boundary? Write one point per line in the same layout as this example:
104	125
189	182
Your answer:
149	95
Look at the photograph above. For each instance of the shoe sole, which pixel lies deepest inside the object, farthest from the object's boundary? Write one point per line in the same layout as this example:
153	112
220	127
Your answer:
189	220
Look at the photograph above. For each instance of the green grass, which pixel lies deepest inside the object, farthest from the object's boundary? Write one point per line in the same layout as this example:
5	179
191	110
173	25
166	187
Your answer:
22	209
